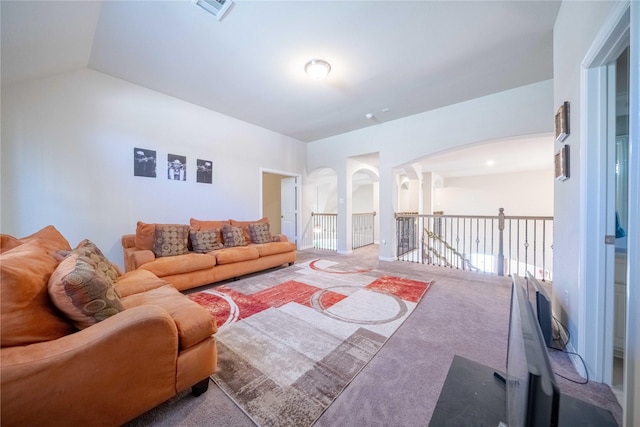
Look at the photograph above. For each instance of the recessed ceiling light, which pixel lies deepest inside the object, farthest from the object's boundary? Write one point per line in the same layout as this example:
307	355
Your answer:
317	69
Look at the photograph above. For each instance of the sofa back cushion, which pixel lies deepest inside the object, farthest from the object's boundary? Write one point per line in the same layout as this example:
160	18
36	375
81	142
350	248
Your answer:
27	313
83	292
50	239
8	242
145	235
197	224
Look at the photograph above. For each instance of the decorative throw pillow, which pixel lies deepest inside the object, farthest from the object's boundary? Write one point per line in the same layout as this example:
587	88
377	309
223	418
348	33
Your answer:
171	240
259	233
245	225
89	249
233	236
205	241
83	293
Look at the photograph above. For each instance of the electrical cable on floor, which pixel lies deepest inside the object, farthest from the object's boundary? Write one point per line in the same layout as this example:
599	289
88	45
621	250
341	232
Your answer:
562	350
583	364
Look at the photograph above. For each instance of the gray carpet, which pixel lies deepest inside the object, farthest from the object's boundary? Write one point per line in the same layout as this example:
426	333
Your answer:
463	313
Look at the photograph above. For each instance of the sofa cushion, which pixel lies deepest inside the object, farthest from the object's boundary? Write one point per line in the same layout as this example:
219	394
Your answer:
27	313
8	242
245	225
145	235
233	236
50	239
206	240
194	323
83	292
238	254
259	233
197	224
171	240
273	248
167	266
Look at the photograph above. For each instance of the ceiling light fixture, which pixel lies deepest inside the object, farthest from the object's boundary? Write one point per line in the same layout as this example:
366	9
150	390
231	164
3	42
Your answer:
317	69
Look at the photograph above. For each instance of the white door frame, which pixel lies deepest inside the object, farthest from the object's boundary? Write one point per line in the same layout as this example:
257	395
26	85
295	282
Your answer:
298	196
595	317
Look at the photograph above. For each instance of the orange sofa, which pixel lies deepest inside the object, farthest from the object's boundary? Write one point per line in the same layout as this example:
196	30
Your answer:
187	267
66	360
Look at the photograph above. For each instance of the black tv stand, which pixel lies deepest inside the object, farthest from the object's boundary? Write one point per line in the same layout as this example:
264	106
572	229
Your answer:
473	396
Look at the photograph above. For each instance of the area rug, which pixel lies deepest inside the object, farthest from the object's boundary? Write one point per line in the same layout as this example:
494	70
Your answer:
291	340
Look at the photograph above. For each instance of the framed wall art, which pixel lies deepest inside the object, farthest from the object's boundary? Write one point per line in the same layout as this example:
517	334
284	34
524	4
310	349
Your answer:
562	163
562	122
176	167
144	162
204	171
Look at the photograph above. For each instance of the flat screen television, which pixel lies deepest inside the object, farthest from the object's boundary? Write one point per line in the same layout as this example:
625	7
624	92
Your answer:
533	399
543	309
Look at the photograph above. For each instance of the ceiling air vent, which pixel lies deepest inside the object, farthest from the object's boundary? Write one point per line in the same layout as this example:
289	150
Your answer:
217	8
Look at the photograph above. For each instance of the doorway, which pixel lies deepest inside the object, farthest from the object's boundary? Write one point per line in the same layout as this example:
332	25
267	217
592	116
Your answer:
280	203
618	207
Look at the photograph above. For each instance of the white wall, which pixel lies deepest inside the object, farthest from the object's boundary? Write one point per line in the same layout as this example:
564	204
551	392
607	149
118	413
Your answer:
584	33
363	198
576	26
67	159
522	193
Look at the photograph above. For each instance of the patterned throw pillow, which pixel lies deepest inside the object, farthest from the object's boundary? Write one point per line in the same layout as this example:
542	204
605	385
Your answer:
83	293
259	233
171	240
89	249
205	241
233	236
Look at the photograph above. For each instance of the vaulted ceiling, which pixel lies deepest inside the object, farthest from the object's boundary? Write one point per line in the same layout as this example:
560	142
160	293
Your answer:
389	58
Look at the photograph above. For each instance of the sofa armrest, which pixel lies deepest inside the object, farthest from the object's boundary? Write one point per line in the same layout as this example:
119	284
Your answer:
137	281
128	241
106	374
280	238
134	258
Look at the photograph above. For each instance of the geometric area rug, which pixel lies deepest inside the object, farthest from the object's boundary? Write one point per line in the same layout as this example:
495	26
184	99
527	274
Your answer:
289	342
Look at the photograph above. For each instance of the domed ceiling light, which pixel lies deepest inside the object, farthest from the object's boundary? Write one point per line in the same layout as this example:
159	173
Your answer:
317	69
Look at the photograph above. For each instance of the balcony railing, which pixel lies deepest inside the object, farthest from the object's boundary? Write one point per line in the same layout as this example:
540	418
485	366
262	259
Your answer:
324	227
491	244
325	230
362	229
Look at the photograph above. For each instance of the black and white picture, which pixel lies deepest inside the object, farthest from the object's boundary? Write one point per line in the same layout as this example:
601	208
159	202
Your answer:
176	167
204	171
144	162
